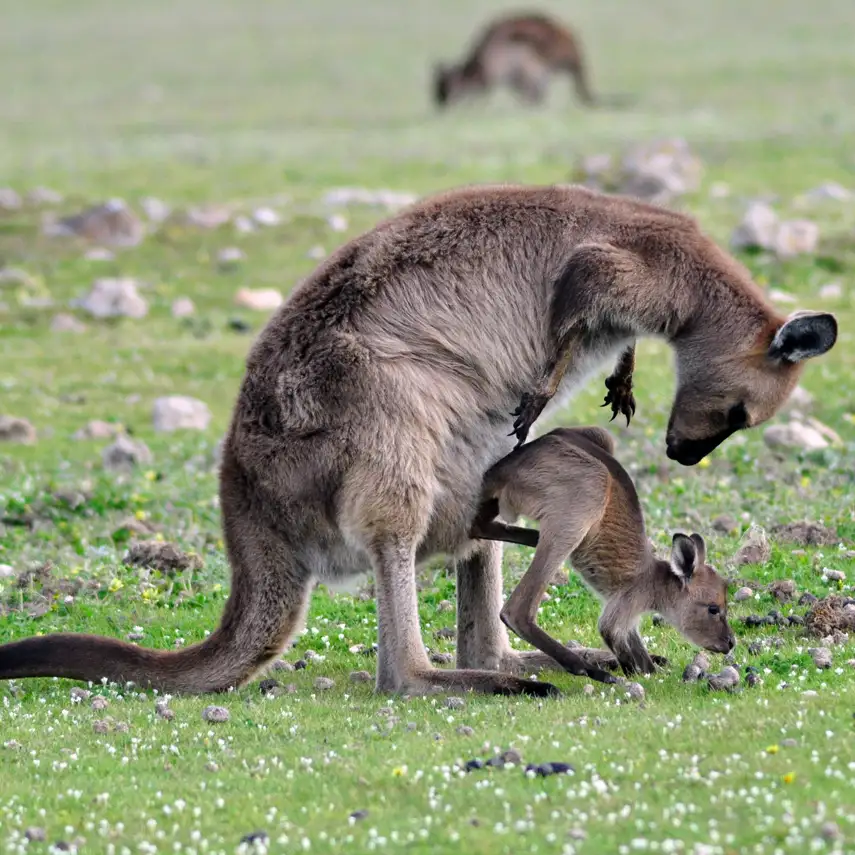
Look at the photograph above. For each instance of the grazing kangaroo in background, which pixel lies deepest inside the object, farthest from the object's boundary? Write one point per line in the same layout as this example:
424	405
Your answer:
587	508
519	51
377	396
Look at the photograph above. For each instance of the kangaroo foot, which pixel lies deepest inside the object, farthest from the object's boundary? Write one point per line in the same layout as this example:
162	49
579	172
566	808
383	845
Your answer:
526	414
483	682
620	396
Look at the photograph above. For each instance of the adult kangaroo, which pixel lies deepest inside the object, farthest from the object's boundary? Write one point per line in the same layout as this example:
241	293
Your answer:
378	396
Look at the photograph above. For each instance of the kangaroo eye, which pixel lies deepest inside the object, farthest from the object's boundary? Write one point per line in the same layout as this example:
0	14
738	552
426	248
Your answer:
713	610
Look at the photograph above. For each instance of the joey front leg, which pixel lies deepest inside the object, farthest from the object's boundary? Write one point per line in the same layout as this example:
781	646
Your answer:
619	384
532	403
618	629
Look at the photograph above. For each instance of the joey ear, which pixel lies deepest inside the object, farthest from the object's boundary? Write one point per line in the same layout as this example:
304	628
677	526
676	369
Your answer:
683	557
804	335
700	549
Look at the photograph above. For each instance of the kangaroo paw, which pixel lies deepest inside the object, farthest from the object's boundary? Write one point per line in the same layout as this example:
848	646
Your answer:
527	413
483	682
620	397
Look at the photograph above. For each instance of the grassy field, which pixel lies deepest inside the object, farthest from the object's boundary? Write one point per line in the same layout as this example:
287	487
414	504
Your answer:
275	104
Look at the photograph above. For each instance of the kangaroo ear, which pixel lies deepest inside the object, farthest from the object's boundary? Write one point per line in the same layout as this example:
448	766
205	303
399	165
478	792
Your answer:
804	335
683	557
700	549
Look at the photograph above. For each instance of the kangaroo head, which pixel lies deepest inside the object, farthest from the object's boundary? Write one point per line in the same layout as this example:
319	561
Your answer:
697	604
727	383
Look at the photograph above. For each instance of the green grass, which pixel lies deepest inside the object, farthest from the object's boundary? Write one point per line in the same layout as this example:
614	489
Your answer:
249	104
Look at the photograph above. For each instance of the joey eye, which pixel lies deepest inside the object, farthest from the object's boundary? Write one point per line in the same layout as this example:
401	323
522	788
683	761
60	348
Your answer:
713	610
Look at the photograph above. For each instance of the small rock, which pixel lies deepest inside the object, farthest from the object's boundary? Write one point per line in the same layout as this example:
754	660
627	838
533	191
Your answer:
99	703
445	606
156	210
358	815
44	196
832	291
824	430
109	224
692	673
726	679
778	296
795	620
64	322
164	712
230	256
360	677
807	599
14	429
268	687
465	730
833	575
743	594
239	325
259	299
256	837
101	726
265	216
506	757
595	168
789	743
587	689
758	228
300	665
800	399
35	835
830	190
544	770
753	680
830	831
113	298
9	199
755	548
337	222
282	665
78	694
441	658
821	657
455	703
635	691
806	534
216	715
701	661
660	171
324	684
183	307
162	556
313	656
657	620
207	216
783	590
180	412
473	765
446	633
795	237
98	429
725	524
125	453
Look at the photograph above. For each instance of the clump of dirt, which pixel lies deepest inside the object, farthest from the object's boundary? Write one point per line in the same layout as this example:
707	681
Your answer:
165	557
805	534
830	616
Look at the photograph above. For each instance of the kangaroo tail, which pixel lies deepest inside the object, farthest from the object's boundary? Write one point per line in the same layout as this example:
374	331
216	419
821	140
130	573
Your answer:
267	604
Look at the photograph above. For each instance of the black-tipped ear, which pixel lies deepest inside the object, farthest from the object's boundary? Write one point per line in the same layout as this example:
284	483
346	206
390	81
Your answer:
700	549
804	335
683	557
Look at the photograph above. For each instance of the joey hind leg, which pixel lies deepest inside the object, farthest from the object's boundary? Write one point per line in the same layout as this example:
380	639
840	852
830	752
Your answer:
619	385
520	611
